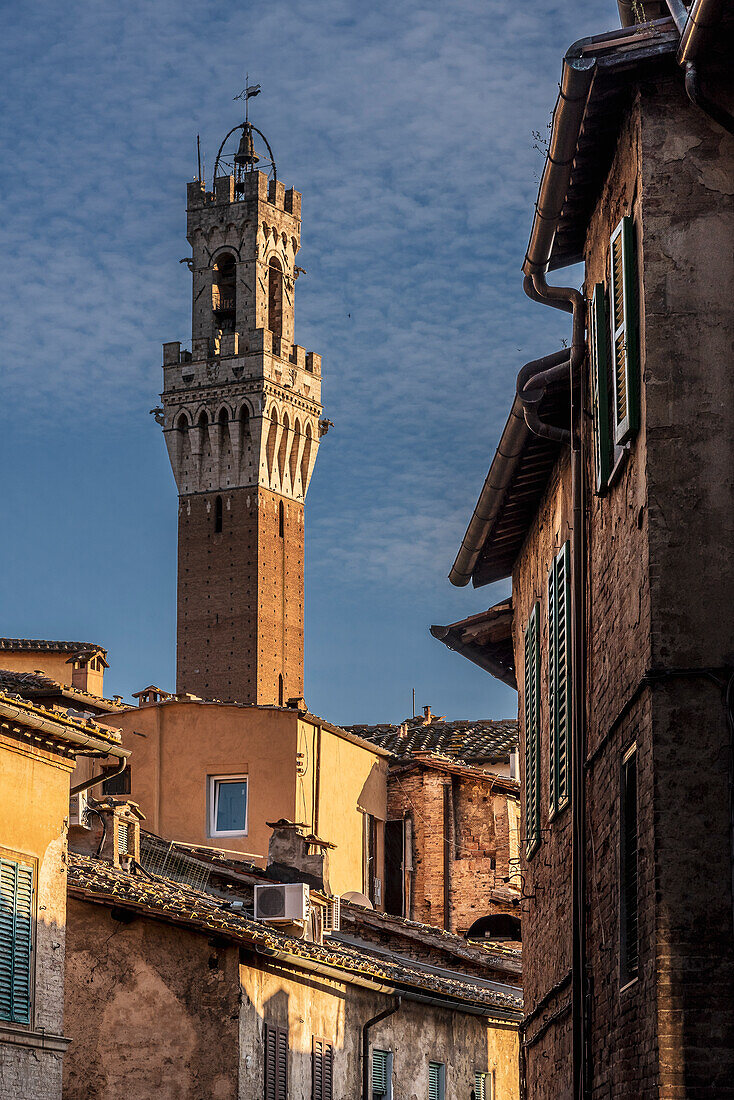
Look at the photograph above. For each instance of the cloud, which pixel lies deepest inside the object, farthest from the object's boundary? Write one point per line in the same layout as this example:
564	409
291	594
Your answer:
408	128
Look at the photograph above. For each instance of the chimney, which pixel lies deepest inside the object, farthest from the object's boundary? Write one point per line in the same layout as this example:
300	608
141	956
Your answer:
294	856
112	832
427	716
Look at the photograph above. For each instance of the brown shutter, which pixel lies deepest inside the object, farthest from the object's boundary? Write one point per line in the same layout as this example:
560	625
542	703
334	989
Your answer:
276	1063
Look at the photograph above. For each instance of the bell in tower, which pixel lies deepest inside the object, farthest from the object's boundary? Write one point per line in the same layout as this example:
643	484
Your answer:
241	421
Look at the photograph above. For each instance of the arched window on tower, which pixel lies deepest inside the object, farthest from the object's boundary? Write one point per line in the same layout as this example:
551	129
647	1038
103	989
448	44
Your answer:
218	515
275	296
281	519
224	292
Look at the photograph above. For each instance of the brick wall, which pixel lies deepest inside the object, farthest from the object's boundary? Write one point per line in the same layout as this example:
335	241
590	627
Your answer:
478	831
240	597
659	571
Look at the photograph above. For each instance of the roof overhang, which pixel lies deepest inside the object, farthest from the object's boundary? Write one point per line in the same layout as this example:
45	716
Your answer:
485	639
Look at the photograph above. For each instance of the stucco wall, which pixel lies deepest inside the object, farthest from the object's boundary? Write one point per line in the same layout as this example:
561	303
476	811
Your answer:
152	1010
415	1034
160	1013
34	800
353	782
183	743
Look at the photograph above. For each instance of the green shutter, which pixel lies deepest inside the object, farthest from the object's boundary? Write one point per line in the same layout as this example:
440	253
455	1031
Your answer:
379	1072
599	359
625	352
435	1080
16	927
559	678
479	1083
532	732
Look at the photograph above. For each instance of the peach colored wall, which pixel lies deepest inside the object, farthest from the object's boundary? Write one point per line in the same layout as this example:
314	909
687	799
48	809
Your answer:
53	664
177	745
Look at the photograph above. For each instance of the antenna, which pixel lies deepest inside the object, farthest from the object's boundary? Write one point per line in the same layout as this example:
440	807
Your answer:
413	711
198	155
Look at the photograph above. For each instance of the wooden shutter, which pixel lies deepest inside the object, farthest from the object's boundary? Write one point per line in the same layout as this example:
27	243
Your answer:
479	1089
276	1063
380	1068
322	1069
532	732
599	359
435	1092
559	677
625	353
16	928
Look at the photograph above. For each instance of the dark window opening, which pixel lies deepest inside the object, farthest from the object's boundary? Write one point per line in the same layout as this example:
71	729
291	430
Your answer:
280	691
628	892
218	515
275	297
394	864
281	520
118	784
224	292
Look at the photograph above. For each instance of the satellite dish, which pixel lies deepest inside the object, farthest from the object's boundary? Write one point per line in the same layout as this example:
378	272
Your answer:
355	898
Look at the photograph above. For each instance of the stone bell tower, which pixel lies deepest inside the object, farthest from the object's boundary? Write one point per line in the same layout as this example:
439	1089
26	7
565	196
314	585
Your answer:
241	421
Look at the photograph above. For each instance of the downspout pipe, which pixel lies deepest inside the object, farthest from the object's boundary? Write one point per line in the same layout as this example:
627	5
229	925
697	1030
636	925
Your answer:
366	1044
696	32
576	81
60	729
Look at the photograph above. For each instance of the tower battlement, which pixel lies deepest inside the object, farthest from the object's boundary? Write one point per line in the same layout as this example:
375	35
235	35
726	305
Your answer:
253	186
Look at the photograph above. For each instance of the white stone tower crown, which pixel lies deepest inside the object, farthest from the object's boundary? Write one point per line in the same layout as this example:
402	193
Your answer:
242	407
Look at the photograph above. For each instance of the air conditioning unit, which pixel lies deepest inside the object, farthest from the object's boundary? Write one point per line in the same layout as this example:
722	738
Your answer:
78	809
332	916
284	903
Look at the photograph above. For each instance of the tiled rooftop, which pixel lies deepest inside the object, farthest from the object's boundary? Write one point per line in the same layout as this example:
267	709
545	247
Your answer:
162	899
35	645
15	707
483	741
32	685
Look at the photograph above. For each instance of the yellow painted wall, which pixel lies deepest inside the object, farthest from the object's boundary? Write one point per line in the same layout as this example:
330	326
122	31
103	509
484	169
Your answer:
353	781
34	805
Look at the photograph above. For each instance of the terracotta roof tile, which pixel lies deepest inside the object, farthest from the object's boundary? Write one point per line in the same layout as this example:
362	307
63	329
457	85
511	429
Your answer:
98	881
470	742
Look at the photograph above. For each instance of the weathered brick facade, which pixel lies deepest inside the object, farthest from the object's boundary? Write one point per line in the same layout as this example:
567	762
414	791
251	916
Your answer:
464	837
659	573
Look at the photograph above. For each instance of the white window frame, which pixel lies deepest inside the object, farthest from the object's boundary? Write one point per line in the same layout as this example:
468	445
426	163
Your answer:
212	798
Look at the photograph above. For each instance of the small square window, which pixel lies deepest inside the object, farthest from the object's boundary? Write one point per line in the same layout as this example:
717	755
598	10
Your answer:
227	805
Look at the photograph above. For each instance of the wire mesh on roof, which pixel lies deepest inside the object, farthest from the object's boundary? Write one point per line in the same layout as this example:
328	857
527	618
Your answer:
165	859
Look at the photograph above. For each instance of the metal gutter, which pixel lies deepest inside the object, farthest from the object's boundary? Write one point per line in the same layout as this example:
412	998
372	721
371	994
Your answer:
60	729
366	1044
696	33
504	464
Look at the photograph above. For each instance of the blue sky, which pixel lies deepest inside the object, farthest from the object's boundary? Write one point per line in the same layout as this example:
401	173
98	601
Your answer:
409	130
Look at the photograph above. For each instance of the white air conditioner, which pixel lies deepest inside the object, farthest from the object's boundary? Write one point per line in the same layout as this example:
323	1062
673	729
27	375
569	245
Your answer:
284	903
332	916
78	809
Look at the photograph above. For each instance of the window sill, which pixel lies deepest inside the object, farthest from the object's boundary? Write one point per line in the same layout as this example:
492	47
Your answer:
619	466
559	812
21	1036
